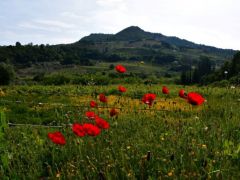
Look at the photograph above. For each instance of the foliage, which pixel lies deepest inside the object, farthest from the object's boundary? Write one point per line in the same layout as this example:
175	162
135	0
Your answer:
183	142
204	68
228	72
6	74
131	44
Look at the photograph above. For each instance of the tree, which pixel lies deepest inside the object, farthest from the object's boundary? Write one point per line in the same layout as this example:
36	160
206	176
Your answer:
196	76
184	77
18	44
235	65
6	74
204	66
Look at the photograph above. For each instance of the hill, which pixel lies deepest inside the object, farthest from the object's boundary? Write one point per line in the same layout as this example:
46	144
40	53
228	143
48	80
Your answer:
130	45
134	33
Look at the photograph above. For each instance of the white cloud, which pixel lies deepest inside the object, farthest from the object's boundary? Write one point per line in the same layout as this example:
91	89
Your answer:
109	3
211	22
54	23
72	15
34	26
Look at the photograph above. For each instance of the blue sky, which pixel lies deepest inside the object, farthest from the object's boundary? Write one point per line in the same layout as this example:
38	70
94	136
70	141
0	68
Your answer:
210	22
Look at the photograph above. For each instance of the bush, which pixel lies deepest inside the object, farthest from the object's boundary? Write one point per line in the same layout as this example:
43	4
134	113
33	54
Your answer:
6	74
223	83
39	77
235	80
56	79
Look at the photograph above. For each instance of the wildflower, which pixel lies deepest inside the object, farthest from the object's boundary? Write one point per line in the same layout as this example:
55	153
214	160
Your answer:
57	138
93	104
58	175
195	98
90	115
91	129
102	98
182	94
149	98
170	173
78	129
196	117
113	112
165	90
122	89
121	69
101	123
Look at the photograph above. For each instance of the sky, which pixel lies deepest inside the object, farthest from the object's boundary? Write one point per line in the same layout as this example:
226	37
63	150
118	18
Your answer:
209	22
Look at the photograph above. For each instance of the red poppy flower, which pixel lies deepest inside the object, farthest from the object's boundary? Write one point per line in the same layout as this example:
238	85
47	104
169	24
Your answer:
113	112
149	98
90	115
165	90
182	93
122	89
101	123
78	129
120	69
195	98
93	104
91	129
102	98
57	138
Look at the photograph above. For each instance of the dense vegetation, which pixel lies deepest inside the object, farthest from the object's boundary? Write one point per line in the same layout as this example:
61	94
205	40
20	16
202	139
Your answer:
6	74
131	45
205	73
171	139
183	141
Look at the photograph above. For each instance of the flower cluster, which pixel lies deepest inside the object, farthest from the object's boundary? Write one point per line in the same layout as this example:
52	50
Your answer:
102	98
165	90
57	138
81	130
122	89
195	98
121	69
94	127
149	98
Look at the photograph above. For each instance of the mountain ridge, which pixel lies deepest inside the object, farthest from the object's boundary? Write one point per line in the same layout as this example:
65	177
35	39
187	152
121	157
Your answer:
132	33
130	45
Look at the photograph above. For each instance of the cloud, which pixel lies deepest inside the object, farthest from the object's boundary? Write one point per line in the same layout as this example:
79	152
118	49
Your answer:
109	3
33	26
46	25
54	23
212	22
72	15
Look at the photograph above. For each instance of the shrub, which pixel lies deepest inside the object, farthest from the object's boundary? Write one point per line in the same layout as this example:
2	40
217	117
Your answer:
56	79
6	74
223	83
235	80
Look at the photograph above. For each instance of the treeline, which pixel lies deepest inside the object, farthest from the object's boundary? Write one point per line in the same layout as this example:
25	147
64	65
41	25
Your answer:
30	54
197	74
229	73
81	53
204	73
26	55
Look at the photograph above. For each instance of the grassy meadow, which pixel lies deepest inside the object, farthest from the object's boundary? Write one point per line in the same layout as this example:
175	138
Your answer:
172	139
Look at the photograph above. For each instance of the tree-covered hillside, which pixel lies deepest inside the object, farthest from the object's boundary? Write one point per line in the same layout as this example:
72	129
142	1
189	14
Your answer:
131	45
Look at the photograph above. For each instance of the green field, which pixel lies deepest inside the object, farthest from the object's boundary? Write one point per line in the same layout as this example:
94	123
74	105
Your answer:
171	139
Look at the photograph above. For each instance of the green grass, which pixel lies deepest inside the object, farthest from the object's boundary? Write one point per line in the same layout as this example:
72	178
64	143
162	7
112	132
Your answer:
184	142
